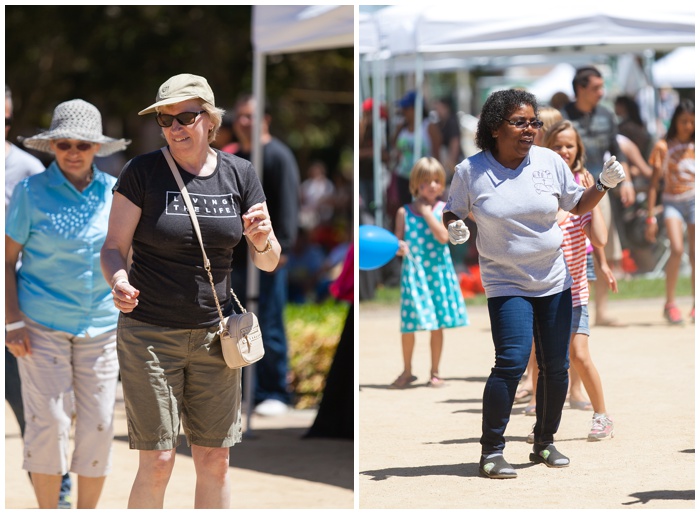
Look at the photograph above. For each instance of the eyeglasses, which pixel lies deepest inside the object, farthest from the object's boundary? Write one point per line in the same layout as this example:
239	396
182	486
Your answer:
521	124
82	146
184	118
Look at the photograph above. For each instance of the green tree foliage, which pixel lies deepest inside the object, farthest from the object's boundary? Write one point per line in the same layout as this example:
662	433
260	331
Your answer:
116	57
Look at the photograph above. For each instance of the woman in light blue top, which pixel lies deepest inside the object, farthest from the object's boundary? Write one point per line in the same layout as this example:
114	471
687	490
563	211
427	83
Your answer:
59	315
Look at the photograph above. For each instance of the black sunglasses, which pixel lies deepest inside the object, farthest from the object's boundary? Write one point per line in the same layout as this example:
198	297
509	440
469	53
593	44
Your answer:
184	118
521	124
82	146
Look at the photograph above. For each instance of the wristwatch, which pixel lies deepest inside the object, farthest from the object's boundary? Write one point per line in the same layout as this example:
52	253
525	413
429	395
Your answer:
600	187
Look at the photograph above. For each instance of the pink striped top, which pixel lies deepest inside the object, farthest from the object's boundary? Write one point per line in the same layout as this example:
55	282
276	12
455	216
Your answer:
574	247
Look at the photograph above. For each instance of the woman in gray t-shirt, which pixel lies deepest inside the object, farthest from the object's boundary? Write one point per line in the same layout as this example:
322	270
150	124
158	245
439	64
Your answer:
513	190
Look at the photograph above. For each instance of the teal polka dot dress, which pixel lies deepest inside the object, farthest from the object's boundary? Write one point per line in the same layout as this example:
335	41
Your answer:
430	295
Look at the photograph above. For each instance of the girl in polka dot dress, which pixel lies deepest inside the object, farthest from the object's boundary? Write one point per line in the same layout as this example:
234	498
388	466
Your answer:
431	298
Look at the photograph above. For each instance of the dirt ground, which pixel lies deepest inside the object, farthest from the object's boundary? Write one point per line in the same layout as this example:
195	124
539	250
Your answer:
419	447
274	467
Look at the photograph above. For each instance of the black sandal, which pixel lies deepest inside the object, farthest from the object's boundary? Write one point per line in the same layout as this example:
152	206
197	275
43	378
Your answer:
496	467
550	457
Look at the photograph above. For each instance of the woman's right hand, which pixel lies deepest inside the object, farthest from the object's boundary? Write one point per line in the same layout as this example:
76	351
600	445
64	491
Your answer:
17	342
125	296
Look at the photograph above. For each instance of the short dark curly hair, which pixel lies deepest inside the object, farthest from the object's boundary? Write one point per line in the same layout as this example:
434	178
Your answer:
499	106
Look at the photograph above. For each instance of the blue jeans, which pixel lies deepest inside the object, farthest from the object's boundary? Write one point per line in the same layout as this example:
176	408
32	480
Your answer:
515	320
271	370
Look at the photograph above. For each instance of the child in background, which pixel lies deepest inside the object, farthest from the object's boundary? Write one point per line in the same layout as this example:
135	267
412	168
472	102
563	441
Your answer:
563	138
673	160
431	298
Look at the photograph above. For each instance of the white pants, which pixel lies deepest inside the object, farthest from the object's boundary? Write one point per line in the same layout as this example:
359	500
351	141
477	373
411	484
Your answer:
68	374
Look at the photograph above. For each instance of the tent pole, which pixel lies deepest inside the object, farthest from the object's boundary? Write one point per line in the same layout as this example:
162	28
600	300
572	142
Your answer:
377	146
418	116
253	277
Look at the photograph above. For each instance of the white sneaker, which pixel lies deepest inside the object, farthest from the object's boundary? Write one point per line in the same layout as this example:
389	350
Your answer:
271	408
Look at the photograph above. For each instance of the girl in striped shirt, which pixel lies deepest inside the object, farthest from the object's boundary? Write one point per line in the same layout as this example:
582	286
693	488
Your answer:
563	138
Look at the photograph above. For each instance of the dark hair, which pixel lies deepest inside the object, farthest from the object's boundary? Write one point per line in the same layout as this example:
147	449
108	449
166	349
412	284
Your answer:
582	77
630	106
685	105
499	106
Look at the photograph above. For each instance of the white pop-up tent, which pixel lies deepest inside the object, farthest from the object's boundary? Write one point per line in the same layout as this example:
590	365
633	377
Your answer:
677	69
430	32
278	29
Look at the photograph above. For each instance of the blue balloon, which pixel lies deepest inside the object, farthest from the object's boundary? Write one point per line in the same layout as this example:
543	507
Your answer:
377	246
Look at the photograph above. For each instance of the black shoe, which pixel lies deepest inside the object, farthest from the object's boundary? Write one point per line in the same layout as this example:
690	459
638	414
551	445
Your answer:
496	467
550	457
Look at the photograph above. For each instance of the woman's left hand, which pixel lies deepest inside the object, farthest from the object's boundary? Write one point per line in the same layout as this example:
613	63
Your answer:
257	226
17	342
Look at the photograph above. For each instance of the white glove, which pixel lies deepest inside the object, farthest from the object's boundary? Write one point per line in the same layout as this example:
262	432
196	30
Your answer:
612	173
458	232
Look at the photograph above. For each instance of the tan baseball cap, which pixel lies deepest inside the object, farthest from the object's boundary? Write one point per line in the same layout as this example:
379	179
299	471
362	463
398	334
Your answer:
180	88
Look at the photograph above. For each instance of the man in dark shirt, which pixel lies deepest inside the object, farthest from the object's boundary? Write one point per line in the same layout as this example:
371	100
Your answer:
597	127
280	181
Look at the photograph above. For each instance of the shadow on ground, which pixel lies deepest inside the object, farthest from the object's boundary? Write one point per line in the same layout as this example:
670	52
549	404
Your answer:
285	452
647	496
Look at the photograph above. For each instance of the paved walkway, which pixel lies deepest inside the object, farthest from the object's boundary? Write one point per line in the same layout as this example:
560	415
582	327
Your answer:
419	447
275	467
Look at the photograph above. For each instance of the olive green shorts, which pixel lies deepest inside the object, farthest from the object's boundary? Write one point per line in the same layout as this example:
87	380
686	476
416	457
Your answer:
172	373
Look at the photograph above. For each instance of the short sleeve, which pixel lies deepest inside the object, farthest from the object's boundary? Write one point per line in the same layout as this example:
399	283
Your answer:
130	184
253	191
18	220
571	191
458	198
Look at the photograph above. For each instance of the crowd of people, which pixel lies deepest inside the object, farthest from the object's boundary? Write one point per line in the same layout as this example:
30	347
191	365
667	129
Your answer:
105	282
547	197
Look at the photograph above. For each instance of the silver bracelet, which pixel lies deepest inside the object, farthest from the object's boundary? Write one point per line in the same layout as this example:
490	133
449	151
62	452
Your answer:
15	326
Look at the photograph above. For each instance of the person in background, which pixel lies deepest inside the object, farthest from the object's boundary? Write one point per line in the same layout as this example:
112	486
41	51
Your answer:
431	298
673	160
514	189
580	232
18	166
451	152
403	144
170	356
597	127
548	116
60	321
316	197
280	181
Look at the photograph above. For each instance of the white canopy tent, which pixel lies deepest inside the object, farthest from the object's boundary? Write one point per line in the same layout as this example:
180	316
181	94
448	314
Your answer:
278	29
429	33
676	69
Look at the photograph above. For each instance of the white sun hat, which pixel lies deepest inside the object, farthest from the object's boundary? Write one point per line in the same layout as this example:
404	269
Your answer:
76	119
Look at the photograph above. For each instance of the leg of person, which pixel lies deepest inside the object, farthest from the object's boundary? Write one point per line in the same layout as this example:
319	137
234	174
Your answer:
46	378
674	232
271	395
213	490
152	477
95	374
152	360
211	409
691	256
436	343
511	330
408	343
524	393
13	389
613	254
579	325
552	326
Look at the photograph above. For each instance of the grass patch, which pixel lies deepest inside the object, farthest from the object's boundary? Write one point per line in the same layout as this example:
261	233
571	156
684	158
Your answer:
313	331
638	287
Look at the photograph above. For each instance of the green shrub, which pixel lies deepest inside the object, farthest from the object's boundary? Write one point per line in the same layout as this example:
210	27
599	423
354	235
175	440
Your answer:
313	331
